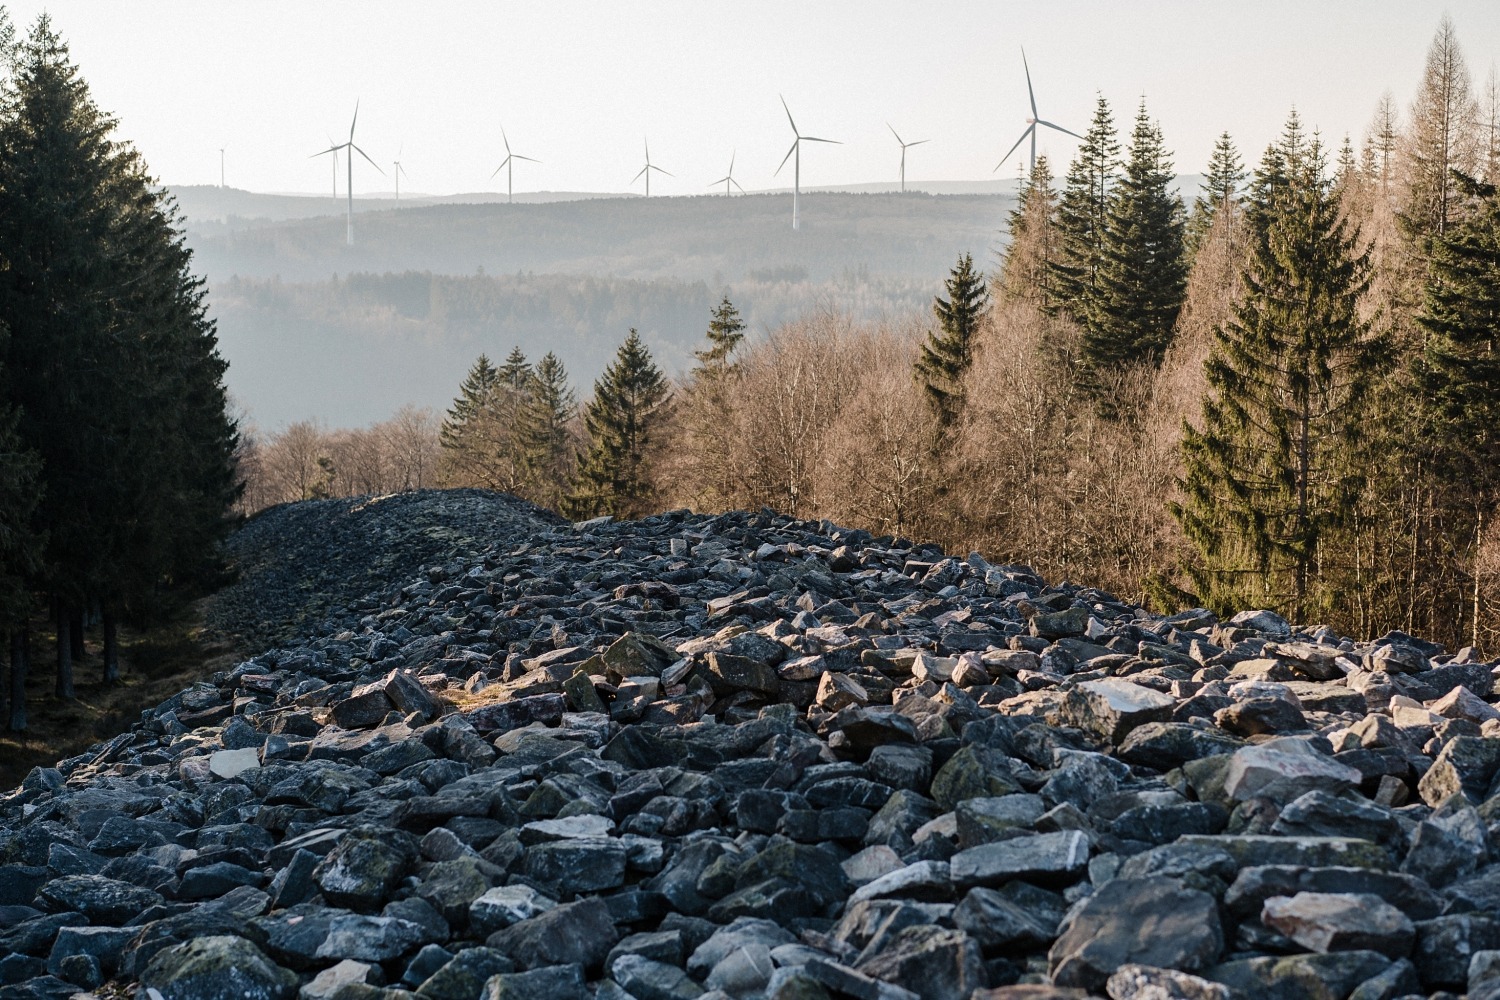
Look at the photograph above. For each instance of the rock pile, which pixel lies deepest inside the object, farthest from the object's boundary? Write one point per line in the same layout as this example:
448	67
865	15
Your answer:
742	756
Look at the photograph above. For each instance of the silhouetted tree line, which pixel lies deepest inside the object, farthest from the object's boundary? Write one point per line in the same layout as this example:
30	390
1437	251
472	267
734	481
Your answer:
116	451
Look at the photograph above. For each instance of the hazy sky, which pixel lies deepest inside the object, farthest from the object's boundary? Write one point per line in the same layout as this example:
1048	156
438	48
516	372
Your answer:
578	84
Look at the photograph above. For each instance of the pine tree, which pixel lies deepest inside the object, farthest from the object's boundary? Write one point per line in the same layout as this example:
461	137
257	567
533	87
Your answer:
122	396
725	333
546	432
1457	377
949	352
472	402
1272	469
1083	216
629	399
481	435
1219	193
1026	268
1142	275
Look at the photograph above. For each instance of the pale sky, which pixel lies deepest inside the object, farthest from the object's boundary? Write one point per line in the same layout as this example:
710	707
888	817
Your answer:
578	84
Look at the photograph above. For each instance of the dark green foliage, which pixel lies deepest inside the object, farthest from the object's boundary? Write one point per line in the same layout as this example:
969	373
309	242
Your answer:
629	399
725	332
472	402
948	352
1220	192
122	397
1273	468
482	433
547	433
1083	216
1457	376
1142	274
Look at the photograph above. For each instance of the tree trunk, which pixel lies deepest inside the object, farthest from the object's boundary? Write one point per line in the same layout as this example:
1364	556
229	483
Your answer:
111	648
64	652
18	662
75	636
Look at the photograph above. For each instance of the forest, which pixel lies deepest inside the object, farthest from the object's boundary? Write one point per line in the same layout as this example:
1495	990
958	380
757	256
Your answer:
1284	395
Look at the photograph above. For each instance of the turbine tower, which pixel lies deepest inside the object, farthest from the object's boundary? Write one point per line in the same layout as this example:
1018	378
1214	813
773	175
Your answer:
795	154
221	165
647	171
349	150
904	146
508	164
1031	123
728	179
397	173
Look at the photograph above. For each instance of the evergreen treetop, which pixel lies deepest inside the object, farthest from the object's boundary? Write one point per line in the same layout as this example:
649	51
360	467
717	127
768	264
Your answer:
1026	268
948	352
628	402
1220	191
725	333
1083	215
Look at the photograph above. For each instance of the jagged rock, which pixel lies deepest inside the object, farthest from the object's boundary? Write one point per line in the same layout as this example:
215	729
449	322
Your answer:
1141	982
1114	707
931	961
1283	769
363	869
1044	856
1322	922
580	933
552	982
1141	921
218	968
1300	977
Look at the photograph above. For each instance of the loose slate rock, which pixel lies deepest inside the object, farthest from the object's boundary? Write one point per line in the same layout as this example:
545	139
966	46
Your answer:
218	968
1152	921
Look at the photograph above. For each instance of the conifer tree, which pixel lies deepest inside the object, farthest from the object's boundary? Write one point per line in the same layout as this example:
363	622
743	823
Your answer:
1271	469
1441	139
1220	192
465	435
546	432
1083	216
725	333
1457	376
1026	268
949	351
629	399
1142	274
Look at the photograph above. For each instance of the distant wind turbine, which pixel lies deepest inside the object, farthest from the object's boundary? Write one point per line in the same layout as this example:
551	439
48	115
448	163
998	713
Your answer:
795	154
1031	123
728	179
508	165
349	150
904	146
397	173
650	167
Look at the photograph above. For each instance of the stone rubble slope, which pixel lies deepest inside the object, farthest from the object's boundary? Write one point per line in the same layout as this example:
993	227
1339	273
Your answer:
299	561
742	756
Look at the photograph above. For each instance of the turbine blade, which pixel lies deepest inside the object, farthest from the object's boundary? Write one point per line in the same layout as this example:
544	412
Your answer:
813	138
736	184
505	139
497	170
918	142
716	183
789	115
659	170
788	155
361	152
330	149
526	158
1029	129
732	154
638	176
894	133
1029	92
1059	128
353	120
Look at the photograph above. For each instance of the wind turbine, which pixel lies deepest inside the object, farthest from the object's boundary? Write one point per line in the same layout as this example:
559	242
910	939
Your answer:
349	150
728	179
904	145
508	164
1031	123
795	154
332	149
650	167
397	173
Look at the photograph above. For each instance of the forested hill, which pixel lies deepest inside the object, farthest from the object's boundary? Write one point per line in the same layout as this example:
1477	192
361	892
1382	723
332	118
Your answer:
707	238
314	328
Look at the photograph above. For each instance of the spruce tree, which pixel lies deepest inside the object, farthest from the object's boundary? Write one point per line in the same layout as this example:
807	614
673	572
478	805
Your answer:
1142	273
1220	192
1441	139
546	432
725	332
1457	375
1083	216
481	434
949	351
1272	468
463	432
1026	267
629	400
